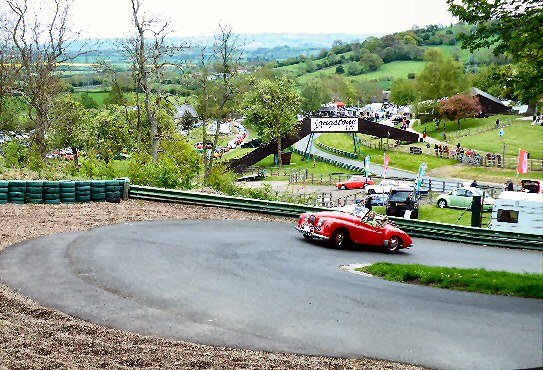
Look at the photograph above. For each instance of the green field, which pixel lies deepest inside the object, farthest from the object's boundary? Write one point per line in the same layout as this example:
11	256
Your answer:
400	160
99	96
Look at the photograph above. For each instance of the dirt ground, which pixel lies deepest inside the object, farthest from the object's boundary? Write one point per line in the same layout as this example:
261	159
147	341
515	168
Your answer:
32	336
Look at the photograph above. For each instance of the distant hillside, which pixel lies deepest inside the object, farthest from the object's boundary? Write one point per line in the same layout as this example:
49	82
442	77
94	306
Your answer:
386	58
256	47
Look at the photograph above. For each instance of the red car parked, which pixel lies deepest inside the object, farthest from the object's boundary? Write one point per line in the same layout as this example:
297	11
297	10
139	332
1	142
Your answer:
355	182
353	224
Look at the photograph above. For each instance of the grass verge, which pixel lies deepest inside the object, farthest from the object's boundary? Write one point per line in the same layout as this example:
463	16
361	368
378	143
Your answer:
470	280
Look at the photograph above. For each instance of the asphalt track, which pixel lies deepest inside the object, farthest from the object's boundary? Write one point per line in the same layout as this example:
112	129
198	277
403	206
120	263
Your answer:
260	285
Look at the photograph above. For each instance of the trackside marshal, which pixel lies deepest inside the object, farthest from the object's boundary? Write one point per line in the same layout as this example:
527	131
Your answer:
334	124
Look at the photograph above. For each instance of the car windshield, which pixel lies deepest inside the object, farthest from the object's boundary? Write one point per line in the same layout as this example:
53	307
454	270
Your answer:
354	209
399	196
365	215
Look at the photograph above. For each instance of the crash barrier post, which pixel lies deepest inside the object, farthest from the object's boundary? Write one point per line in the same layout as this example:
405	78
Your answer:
416	228
64	191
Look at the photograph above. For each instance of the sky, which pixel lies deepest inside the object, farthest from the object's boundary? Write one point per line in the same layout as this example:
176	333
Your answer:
111	18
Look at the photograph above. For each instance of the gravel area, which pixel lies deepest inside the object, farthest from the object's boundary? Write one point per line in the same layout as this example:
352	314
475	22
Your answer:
32	336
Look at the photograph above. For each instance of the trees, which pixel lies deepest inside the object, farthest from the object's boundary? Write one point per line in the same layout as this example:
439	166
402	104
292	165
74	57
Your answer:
271	107
69	123
458	107
514	28
441	77
148	52
403	92
39	46
314	94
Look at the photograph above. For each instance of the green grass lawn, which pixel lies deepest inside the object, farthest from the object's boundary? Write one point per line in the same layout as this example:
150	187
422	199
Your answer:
470	280
401	160
98	96
300	163
520	134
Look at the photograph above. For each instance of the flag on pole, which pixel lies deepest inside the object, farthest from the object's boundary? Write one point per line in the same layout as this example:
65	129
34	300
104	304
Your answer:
367	165
522	161
422	171
385	166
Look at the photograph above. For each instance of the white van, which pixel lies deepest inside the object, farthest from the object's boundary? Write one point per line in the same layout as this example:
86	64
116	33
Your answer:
519	212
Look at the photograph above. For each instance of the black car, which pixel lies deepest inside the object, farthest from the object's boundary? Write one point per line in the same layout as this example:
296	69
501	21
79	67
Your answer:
398	203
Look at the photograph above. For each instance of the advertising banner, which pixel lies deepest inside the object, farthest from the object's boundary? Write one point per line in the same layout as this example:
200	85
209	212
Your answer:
522	161
334	124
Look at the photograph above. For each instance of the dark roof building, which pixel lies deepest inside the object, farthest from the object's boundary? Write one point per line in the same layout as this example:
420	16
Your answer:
490	104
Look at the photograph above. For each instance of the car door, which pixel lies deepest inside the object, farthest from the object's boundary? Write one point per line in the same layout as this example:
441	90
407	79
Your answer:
457	198
368	234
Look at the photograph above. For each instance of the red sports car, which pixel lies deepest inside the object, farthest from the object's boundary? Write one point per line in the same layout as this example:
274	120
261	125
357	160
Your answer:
355	182
353	224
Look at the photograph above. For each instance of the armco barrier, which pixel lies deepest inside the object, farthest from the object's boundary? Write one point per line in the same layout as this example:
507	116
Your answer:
416	228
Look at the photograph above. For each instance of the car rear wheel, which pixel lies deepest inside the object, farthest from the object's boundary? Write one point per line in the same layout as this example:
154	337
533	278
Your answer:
308	237
340	239
371	191
343	187
442	203
394	244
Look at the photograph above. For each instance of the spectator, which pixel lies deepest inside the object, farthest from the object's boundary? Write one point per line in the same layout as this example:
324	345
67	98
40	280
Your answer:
367	203
474	184
408	206
497	123
428	148
510	185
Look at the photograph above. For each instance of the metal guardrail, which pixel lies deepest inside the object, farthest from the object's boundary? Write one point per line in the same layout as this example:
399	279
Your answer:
417	228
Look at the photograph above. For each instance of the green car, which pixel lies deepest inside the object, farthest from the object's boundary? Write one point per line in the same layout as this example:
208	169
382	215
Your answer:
462	198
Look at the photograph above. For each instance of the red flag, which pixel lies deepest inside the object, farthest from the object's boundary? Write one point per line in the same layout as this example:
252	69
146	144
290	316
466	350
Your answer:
387	161
522	161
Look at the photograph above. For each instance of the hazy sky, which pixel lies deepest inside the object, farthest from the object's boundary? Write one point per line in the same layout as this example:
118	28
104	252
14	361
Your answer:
111	18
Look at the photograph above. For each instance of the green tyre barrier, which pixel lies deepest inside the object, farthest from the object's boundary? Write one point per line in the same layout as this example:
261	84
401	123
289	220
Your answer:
82	198
98	197
4	184
34	190
67	185
51	201
51	197
17	189
35	201
4	196
17	183
3	201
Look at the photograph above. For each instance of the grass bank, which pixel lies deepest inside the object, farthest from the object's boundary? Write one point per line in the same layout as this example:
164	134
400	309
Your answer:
470	280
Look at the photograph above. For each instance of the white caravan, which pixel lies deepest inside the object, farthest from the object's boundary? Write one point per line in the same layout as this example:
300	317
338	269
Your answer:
519	212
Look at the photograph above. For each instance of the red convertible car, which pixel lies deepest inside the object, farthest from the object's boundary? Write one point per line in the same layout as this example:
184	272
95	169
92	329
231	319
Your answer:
355	182
353	224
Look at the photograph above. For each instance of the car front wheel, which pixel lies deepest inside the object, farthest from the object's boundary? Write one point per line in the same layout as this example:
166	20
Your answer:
340	239
394	244
442	203
343	187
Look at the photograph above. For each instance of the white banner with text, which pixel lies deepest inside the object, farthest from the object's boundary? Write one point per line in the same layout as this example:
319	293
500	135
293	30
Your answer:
334	124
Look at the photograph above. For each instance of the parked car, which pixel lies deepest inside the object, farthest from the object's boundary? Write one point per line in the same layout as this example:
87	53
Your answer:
378	200
462	198
386	185
356	224
397	202
355	182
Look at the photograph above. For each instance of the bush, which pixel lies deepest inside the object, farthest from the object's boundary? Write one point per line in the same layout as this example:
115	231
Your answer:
15	154
223	180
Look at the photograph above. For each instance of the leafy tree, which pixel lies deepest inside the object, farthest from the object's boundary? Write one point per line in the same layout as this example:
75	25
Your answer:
109	133
403	92
340	70
88	101
371	62
366	91
514	28
186	121
458	107
441	76
68	125
313	95
354	69
271	107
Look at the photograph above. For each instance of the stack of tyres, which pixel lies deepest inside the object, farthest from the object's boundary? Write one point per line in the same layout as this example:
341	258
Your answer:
16	191
67	192
82	191
3	191
34	192
51	192
98	191
113	194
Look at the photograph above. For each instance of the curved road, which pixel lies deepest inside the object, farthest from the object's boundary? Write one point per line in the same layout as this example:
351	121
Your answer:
260	285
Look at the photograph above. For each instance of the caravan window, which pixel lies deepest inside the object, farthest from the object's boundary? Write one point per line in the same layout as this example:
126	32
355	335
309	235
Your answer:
506	215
